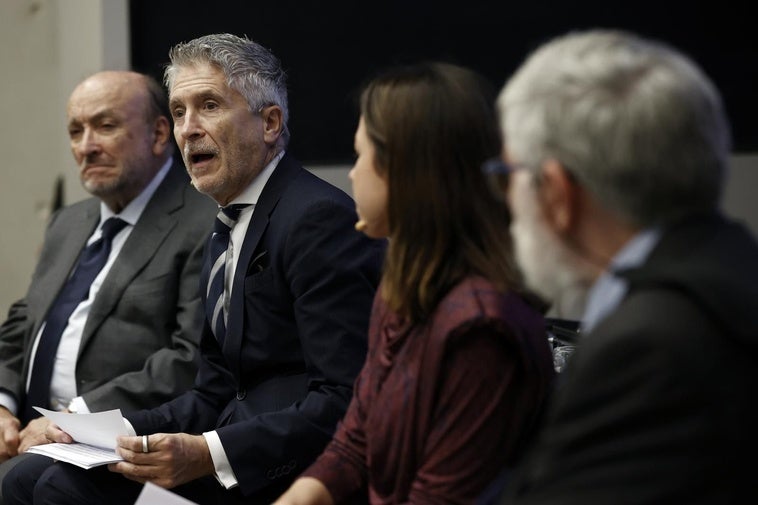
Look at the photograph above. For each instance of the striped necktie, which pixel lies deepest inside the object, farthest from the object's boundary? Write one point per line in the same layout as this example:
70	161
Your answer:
215	294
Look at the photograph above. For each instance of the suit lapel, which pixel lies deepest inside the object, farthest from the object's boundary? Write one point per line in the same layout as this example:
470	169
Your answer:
148	234
67	253
286	170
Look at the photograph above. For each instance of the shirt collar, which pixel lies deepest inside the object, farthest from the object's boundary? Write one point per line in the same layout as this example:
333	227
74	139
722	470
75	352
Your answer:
132	212
635	252
252	192
608	291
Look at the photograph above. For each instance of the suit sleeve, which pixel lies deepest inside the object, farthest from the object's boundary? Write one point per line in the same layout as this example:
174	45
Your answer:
12	334
16	330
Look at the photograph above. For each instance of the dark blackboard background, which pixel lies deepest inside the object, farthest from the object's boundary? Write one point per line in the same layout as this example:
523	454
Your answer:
330	48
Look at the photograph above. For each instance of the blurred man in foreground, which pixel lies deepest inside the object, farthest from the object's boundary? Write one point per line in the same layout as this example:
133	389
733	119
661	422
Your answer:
617	149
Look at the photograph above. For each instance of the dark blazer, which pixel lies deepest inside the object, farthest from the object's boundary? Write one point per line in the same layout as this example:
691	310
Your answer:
139	346
658	403
296	335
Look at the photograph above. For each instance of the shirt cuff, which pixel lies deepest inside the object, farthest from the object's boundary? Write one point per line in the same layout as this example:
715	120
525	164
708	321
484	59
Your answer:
9	403
78	406
129	428
224	473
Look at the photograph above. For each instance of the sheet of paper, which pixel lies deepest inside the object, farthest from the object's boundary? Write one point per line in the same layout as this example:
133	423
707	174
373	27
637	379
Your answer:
94	437
81	455
99	429
152	494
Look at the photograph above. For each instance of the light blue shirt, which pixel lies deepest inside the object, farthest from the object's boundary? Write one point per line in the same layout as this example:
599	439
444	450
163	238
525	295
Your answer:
608	291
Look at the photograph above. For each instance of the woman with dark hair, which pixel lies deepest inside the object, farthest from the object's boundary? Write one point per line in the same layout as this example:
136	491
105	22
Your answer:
458	364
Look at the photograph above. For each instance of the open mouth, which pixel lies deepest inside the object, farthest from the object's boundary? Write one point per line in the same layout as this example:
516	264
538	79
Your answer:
200	157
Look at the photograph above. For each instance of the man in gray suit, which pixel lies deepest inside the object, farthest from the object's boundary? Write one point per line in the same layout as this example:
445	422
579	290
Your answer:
131	343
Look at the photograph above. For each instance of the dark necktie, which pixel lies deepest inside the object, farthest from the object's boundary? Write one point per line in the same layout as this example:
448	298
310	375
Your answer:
90	262
214	303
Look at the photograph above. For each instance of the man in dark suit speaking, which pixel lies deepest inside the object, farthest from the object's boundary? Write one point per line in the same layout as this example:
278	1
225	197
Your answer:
287	297
127	336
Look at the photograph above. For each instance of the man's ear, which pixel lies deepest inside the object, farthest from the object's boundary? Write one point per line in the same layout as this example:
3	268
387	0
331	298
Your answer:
559	196
273	123
161	135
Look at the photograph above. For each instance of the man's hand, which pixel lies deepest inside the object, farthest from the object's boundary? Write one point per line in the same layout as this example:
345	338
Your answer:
34	434
174	459
54	434
9	436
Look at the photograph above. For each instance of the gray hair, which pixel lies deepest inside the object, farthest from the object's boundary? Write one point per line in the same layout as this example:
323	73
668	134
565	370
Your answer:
636	123
250	69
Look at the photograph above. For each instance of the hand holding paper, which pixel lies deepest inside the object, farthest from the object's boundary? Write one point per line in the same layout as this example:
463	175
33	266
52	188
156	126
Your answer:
94	437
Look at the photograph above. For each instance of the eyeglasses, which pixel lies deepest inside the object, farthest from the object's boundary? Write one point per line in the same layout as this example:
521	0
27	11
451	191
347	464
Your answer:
498	173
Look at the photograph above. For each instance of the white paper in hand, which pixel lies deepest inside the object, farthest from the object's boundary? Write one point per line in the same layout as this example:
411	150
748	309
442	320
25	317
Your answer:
99	429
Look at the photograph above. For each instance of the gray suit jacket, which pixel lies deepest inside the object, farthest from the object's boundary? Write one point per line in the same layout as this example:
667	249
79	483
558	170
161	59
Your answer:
139	346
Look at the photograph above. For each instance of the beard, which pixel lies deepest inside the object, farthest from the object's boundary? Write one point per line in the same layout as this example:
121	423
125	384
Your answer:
551	269
124	181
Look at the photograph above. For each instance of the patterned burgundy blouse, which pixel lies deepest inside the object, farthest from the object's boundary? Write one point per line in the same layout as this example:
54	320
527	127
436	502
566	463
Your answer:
438	410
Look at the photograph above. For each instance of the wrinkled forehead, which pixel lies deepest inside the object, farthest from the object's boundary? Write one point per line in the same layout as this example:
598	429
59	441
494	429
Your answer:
101	94
194	74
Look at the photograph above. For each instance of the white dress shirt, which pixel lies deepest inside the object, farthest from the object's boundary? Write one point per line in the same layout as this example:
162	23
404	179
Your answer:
250	195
